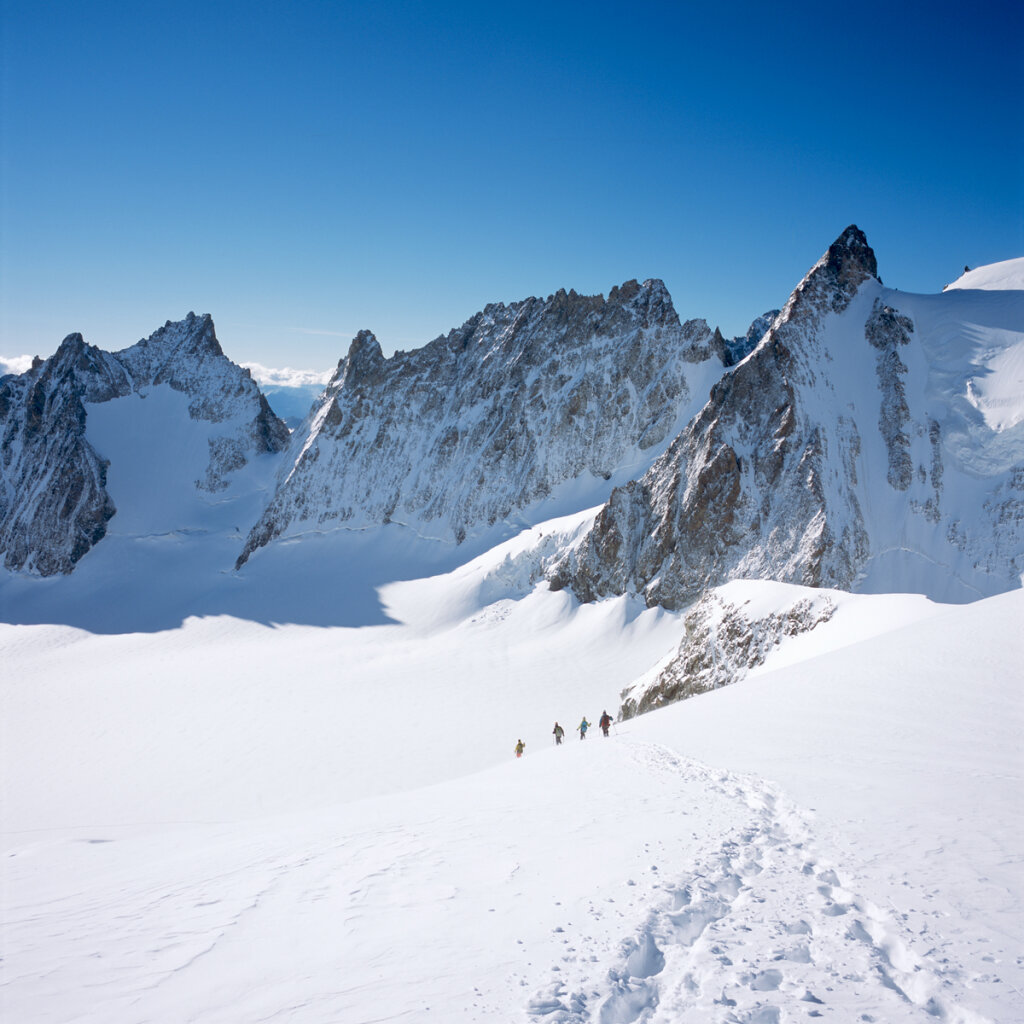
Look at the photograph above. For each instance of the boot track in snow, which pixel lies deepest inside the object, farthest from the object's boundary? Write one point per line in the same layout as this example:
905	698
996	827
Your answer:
716	950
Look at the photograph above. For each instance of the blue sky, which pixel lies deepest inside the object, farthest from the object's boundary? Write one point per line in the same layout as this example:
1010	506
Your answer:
304	170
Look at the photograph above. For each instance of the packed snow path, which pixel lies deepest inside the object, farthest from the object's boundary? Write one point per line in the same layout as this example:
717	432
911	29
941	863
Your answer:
608	881
760	931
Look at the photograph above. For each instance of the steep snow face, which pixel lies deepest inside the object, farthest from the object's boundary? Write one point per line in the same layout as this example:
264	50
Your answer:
54	502
870	442
492	420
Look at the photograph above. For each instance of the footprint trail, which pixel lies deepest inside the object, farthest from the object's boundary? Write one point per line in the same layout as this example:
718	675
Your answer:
763	930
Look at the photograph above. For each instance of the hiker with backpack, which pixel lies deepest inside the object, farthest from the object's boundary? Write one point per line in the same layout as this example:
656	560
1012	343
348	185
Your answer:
558	732
605	723
520	747
583	727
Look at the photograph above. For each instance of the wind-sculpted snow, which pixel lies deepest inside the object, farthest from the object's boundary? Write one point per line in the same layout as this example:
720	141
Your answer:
479	425
54	504
822	458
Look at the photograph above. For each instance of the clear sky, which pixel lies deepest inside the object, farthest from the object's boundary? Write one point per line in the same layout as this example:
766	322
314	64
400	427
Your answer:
303	170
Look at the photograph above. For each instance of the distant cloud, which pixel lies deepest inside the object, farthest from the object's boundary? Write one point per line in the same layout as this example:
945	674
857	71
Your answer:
287	377
14	364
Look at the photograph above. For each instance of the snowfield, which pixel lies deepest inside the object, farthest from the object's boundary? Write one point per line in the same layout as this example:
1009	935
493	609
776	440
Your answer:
230	822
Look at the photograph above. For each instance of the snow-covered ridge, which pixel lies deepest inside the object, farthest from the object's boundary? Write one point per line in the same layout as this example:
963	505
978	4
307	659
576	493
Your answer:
1005	276
54	505
492	419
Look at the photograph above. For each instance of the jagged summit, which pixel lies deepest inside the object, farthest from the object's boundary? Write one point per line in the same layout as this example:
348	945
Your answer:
493	417
852	247
364	360
833	281
195	335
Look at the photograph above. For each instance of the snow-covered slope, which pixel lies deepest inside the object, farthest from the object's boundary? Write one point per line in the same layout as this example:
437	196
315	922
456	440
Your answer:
54	501
872	441
225	822
496	419
1005	276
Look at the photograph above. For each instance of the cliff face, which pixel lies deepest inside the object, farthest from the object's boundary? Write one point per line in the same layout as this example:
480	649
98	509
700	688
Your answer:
54	504
480	424
816	458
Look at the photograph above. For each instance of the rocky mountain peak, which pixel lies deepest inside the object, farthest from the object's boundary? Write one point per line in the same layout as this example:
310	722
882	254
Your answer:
650	301
833	281
89	372
54	505
623	293
72	343
728	492
178	342
365	358
489	421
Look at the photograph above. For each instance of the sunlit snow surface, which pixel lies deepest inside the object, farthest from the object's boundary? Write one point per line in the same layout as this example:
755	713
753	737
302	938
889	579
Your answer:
229	822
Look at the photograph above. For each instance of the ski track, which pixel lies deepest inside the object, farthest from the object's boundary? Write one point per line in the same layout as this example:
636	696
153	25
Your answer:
717	948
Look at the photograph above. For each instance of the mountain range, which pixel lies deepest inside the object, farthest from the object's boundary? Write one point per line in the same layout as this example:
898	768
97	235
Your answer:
859	438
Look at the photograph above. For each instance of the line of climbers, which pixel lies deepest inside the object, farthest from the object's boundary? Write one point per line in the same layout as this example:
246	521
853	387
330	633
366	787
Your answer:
605	722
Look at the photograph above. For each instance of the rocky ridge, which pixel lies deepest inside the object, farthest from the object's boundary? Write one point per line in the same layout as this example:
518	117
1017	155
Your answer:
54	505
478	425
742	489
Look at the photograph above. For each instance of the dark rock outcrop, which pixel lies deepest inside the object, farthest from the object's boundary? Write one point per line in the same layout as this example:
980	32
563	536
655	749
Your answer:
721	643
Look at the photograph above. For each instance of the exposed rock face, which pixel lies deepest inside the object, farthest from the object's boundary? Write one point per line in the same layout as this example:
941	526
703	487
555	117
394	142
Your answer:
744	489
53	500
480	424
887	330
54	505
722	642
